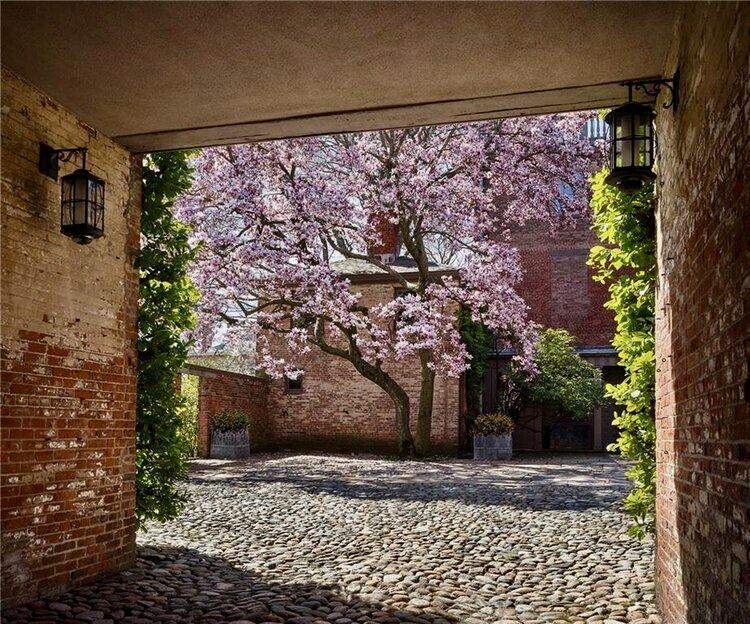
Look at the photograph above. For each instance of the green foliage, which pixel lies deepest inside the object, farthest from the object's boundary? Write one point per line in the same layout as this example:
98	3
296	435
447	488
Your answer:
165	314
478	341
564	380
493	424
189	424
626	262
229	421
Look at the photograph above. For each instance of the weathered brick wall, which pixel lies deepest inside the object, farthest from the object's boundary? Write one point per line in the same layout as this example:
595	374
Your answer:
68	359
223	390
338	409
703	323
557	283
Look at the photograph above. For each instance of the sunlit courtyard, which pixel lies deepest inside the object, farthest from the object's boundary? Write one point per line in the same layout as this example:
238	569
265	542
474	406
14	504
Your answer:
308	539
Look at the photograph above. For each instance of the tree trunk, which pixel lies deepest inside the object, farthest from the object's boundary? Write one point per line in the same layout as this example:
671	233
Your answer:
426	397
380	378
406	446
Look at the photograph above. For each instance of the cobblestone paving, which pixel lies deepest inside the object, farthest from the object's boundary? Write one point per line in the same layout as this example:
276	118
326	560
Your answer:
314	539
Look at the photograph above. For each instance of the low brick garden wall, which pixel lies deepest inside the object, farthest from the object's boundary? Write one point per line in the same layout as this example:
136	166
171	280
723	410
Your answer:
220	390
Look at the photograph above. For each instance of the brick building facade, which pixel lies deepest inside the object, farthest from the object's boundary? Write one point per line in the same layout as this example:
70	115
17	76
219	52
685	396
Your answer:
558	287
338	409
557	283
68	358
703	323
222	390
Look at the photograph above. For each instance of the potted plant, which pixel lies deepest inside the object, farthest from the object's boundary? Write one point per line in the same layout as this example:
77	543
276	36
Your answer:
230	438
493	436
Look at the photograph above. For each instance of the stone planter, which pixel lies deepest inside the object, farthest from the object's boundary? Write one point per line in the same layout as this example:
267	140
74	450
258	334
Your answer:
230	444
493	446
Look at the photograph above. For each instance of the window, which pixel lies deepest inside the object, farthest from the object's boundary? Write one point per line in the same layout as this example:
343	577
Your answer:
595	129
293	386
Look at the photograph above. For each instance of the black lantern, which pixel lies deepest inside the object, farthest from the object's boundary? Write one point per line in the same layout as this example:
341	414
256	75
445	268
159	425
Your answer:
631	136
82	215
631	146
82	195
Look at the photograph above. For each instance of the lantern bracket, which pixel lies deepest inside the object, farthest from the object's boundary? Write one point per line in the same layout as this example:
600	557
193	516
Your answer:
50	158
653	87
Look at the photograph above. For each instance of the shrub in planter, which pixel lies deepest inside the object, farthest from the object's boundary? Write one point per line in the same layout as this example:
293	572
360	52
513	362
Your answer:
229	435
492	436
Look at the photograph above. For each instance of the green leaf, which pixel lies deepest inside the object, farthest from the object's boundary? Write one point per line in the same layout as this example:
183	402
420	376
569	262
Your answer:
625	225
164	428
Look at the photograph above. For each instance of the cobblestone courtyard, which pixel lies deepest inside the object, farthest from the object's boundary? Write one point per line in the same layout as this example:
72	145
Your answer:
313	539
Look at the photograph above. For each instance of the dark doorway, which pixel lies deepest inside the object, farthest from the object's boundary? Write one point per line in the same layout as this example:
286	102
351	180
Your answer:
543	430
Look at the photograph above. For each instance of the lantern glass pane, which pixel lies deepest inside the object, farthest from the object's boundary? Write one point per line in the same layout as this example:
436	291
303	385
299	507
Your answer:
67	203
81	184
642	125
642	153
74	200
96	194
623	126
624	153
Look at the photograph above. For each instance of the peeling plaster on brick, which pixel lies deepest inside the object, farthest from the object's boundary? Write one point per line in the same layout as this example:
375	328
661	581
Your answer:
68	360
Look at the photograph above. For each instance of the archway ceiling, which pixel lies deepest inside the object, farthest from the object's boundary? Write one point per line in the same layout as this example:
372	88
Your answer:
166	75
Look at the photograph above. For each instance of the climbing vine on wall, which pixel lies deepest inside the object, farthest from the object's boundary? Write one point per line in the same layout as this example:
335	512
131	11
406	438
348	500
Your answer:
626	263
165	317
478	341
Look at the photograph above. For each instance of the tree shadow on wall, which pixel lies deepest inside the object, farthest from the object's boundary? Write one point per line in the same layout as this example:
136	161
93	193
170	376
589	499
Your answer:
186	586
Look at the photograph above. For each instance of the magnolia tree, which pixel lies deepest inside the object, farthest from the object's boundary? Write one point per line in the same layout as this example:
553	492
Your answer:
274	218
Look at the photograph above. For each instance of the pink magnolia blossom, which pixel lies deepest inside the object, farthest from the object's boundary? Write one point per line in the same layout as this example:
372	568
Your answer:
274	218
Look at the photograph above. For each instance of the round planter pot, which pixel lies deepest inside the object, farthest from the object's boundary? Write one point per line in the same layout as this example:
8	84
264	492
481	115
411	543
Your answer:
493	446
230	444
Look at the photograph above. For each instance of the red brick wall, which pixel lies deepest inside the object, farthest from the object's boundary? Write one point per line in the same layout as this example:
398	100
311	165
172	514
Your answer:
68	359
389	236
338	409
223	390
703	323
557	283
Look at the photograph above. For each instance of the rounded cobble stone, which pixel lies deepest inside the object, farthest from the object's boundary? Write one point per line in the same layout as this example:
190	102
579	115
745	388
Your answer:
312	539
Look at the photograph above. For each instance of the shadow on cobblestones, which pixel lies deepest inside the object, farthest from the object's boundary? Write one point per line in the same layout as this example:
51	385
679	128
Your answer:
186	586
518	485
569	497
312	539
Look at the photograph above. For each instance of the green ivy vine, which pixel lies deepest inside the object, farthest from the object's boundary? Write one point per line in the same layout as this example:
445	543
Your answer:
626	263
478	340
167	298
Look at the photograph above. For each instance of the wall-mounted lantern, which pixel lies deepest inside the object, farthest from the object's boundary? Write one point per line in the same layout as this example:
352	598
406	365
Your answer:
81	196
631	136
